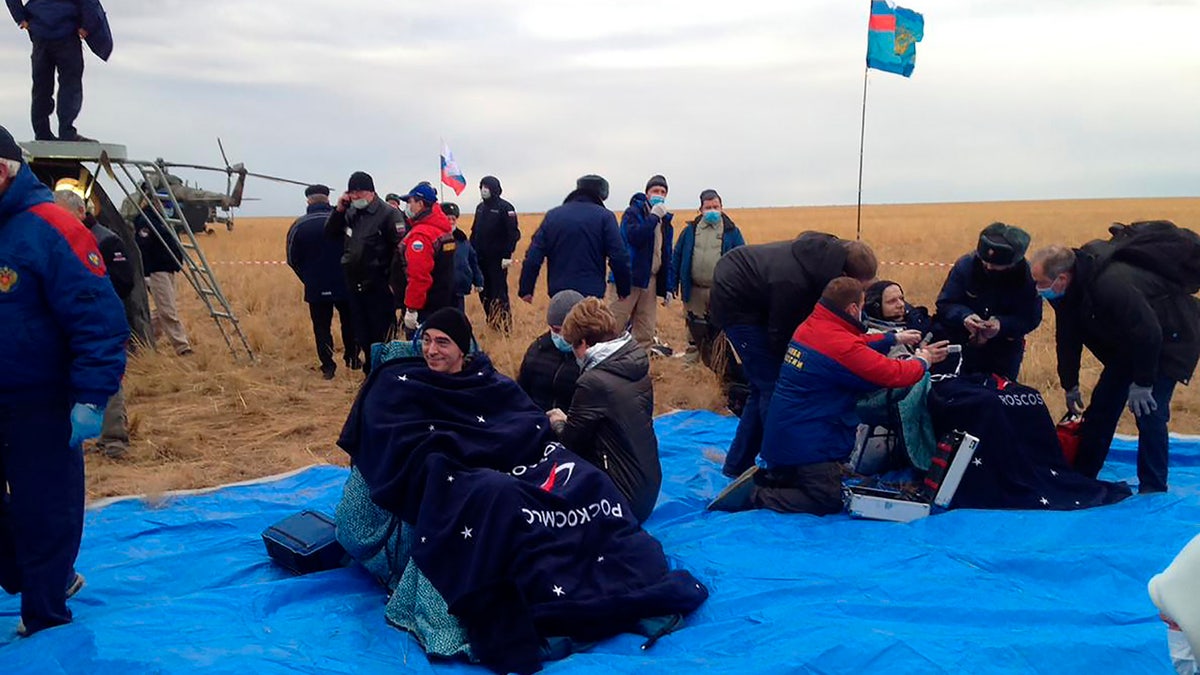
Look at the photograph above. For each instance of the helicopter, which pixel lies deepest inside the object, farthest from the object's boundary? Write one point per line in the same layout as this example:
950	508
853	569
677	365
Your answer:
200	206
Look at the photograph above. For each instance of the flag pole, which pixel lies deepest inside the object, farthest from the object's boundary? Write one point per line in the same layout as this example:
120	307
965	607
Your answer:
862	135
441	194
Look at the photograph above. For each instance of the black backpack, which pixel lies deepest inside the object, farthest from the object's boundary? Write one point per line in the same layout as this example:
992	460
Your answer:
1160	246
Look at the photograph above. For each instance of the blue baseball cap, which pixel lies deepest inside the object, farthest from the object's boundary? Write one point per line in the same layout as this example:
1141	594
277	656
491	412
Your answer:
423	191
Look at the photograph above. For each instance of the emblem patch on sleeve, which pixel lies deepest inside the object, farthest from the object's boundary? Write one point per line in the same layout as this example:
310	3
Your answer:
8	279
418	246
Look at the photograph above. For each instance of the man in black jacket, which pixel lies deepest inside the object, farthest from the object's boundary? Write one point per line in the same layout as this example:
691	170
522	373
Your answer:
988	303
1144	328
548	371
494	235
575	239
316	260
162	259
114	430
760	294
367	229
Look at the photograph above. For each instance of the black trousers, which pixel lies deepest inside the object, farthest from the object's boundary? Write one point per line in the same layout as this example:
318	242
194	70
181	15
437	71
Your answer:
41	512
373	315
321	314
66	58
495	293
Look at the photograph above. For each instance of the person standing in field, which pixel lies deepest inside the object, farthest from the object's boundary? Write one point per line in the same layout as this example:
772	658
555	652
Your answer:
701	244
63	358
494	236
989	304
428	249
467	274
114	430
367	229
316	260
575	239
162	259
760	294
1141	324
648	235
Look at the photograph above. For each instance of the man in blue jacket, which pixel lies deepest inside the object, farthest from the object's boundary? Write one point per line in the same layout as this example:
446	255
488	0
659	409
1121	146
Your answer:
57	29
575	239
701	244
989	303
317	261
646	229
63	357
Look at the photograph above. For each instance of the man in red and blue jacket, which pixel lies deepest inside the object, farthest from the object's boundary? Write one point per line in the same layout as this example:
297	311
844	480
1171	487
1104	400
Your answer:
810	426
63	357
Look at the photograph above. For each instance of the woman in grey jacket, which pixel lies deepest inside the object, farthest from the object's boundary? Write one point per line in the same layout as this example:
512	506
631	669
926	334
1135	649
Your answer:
611	419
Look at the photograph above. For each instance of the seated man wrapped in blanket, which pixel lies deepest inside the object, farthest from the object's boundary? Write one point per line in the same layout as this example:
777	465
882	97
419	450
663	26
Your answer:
496	542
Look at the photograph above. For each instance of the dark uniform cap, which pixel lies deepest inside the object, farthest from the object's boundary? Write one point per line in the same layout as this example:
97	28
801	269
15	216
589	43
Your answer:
450	209
8	147
317	189
1001	244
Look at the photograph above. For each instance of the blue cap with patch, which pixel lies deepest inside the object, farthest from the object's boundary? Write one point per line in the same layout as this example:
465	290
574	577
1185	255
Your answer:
424	192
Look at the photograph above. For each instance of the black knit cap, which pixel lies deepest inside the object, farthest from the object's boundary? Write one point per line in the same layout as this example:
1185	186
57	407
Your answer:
657	180
453	323
8	147
360	180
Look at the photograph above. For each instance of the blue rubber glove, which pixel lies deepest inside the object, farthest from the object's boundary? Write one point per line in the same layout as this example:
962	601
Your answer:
1141	400
86	421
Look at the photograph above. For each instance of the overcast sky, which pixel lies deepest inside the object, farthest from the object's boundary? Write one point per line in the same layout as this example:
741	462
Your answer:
1011	99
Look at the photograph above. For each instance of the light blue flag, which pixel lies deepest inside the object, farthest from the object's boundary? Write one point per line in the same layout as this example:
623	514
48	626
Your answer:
892	37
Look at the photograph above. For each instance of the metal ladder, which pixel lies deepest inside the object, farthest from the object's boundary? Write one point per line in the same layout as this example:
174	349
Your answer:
167	209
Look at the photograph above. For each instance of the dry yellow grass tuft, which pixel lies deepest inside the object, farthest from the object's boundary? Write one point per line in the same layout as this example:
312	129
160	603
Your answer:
205	420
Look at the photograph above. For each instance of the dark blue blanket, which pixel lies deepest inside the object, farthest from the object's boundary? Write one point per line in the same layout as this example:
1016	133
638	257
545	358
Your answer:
1019	463
523	539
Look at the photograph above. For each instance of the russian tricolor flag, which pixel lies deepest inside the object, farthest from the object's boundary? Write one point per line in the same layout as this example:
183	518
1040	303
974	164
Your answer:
451	174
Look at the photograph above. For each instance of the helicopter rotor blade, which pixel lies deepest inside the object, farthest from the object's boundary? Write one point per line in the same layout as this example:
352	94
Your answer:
233	169
228	173
224	158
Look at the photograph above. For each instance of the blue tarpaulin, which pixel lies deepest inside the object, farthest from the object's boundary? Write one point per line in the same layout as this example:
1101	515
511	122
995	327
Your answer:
184	584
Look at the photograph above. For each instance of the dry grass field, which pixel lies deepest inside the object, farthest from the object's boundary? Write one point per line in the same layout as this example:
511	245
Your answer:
206	419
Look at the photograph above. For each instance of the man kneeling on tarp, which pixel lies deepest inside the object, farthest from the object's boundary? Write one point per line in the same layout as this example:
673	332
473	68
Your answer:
810	425
494	541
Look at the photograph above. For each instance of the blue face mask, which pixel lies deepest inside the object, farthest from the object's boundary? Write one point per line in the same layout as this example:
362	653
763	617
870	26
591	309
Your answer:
712	217
560	342
655	200
1050	293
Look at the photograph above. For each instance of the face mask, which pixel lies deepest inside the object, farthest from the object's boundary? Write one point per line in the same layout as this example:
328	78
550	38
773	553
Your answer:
359	203
1049	293
485	193
657	199
560	342
712	217
408	212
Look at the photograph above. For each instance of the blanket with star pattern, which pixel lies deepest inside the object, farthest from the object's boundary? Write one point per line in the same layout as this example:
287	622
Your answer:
522	538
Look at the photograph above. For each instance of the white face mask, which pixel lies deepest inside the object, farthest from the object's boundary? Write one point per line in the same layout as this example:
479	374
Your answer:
408	211
360	203
485	193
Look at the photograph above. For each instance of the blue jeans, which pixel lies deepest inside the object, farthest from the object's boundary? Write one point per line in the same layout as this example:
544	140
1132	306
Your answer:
762	370
1100	423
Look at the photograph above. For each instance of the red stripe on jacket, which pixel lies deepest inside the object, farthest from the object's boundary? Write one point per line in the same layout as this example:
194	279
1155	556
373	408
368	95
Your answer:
81	241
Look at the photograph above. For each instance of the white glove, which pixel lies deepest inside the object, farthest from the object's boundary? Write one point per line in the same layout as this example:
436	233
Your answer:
668	298
479	289
410	319
505	263
659	210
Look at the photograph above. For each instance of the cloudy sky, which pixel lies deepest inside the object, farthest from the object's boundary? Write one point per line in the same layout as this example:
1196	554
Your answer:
1011	99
